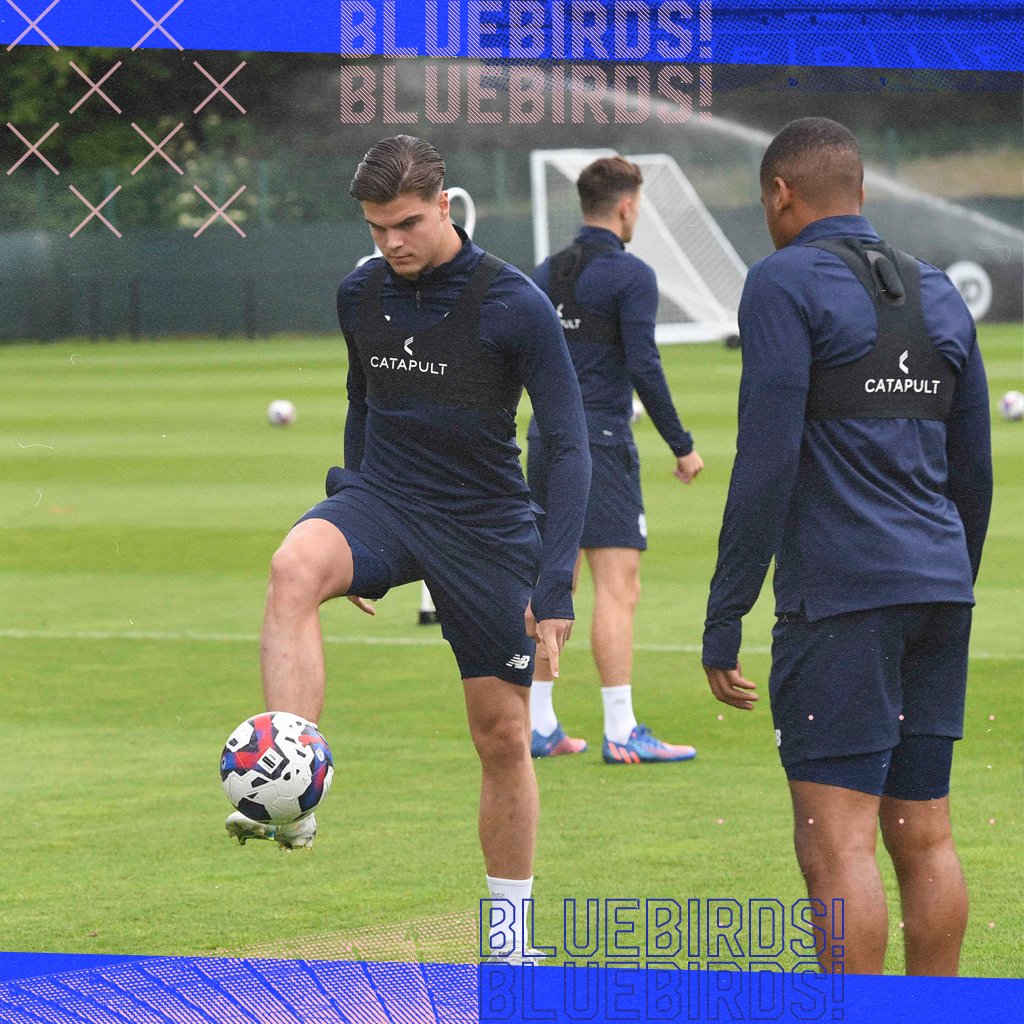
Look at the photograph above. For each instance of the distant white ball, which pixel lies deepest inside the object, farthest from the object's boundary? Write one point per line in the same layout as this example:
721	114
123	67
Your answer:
281	412
1011	405
638	410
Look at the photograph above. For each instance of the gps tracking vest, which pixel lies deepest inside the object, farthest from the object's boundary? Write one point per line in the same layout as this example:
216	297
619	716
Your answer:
445	363
904	376
578	323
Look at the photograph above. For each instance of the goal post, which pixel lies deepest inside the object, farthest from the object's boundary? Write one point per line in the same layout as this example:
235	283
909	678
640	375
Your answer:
700	274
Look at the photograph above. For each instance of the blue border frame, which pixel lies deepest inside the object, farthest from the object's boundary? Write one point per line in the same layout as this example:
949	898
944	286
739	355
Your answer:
941	34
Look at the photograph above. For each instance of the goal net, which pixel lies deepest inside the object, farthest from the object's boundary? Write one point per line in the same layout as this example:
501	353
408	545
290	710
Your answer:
700	275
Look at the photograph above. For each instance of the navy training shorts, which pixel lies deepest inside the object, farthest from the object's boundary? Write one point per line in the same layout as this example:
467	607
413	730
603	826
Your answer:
872	700
615	506
480	578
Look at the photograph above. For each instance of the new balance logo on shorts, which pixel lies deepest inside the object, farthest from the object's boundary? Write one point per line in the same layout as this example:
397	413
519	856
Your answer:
518	661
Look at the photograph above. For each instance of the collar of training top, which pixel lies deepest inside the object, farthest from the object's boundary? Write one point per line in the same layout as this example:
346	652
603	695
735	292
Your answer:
828	227
462	262
589	234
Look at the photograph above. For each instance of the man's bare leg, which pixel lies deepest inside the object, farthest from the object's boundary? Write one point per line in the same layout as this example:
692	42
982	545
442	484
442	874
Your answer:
835	832
933	892
499	722
616	574
312	565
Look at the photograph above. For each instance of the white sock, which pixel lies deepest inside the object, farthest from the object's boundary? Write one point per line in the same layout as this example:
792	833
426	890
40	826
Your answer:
510	933
618	712
542	710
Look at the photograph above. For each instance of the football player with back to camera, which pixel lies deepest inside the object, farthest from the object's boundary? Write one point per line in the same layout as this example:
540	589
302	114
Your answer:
863	466
607	300
442	337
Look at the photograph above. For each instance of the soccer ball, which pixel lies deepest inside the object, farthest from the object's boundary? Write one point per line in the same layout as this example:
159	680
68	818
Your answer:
281	412
1011	405
276	767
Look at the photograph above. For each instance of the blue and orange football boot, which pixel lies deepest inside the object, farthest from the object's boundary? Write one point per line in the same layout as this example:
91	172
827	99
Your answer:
555	744
643	747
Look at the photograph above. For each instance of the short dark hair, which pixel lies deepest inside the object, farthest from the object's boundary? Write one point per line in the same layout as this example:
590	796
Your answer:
817	156
398	166
603	182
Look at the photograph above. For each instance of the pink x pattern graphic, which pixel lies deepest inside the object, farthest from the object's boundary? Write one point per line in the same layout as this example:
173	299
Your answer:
158	148
32	148
156	24
218	211
33	24
95	87
95	211
220	87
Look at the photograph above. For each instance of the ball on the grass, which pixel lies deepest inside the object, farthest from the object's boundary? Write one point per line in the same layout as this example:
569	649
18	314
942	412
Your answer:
281	412
276	767
1011	405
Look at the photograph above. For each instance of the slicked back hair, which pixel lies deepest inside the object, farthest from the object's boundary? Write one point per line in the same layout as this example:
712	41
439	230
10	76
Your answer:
603	183
818	157
398	166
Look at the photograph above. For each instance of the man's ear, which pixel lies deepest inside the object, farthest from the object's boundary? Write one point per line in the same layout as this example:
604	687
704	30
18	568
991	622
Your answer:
781	195
443	205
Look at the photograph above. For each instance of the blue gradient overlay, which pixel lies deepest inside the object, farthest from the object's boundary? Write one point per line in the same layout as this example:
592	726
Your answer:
940	34
195	990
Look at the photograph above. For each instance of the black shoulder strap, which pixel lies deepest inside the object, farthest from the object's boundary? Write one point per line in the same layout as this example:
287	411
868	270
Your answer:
580	324
904	376
565	268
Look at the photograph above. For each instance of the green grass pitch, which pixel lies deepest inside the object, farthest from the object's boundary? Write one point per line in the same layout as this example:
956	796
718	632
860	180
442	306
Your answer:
142	493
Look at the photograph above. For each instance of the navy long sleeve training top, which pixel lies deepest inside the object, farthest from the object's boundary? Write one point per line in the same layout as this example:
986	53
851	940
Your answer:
464	462
624	290
858	514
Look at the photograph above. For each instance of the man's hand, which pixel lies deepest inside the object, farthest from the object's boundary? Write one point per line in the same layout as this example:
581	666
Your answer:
687	467
729	686
551	636
363	605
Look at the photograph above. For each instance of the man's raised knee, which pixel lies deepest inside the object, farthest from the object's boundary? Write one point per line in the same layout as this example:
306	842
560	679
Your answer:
289	569
311	566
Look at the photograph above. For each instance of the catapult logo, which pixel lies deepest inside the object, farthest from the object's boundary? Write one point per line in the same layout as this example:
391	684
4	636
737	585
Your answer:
570	324
410	365
900	385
